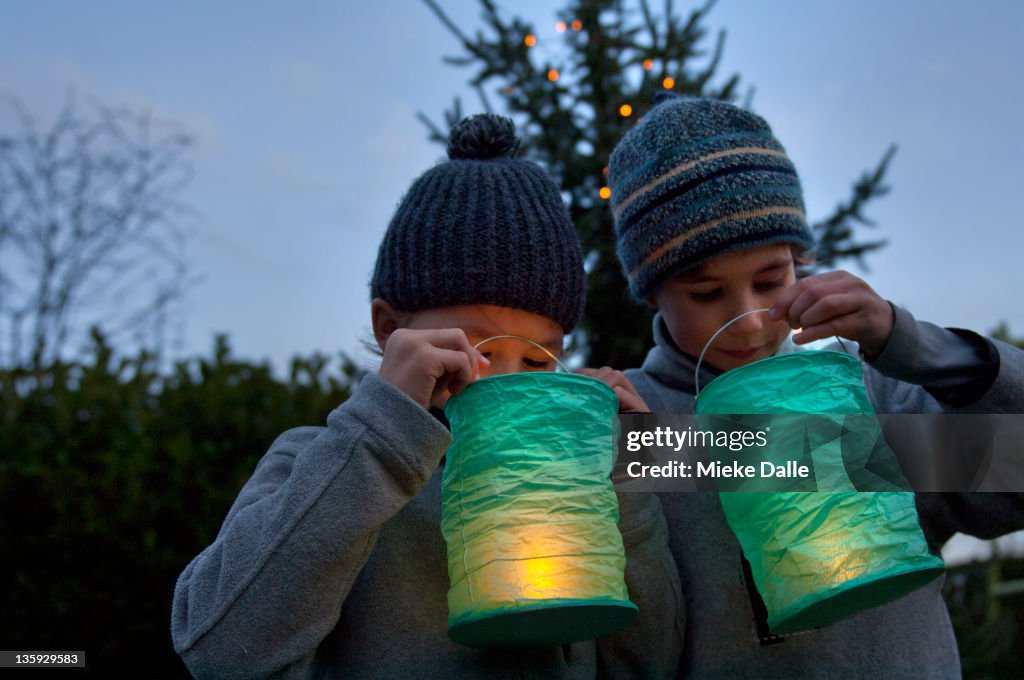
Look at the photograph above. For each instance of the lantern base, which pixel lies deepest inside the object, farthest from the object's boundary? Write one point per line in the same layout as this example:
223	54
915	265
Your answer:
543	624
854	599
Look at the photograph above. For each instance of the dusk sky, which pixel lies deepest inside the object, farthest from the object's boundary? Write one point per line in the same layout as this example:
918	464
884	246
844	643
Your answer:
307	137
305	120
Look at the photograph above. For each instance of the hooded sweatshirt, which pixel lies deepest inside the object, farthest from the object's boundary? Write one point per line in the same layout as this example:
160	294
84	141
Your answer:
331	564
923	369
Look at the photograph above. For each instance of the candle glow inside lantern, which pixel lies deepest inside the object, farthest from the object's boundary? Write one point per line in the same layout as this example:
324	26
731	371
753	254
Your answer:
529	514
818	557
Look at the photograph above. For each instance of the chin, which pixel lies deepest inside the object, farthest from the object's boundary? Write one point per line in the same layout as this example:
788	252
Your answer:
729	363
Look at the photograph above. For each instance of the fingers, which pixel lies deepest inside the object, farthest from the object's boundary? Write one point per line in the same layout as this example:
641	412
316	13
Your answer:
425	363
835	304
630	400
794	301
421	344
839	314
451	370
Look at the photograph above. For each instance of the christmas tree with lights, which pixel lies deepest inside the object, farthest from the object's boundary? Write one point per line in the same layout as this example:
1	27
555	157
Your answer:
573	90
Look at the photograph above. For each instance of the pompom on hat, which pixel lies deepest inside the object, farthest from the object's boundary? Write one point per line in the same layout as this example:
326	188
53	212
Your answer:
483	228
696	178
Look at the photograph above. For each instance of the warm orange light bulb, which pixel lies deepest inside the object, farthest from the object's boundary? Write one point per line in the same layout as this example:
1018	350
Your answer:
625	110
605	193
668	83
530	40
553	75
560	27
648	64
577	25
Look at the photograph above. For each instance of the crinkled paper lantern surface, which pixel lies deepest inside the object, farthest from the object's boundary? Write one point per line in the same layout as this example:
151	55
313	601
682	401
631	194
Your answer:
818	557
529	513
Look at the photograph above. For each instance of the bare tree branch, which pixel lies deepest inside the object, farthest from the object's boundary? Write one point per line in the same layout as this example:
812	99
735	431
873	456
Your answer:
88	204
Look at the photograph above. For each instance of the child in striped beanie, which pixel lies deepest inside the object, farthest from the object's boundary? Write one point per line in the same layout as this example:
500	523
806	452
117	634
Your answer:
709	221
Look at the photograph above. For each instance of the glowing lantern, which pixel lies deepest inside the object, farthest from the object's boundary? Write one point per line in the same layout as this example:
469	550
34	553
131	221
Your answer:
529	514
668	83
530	40
818	557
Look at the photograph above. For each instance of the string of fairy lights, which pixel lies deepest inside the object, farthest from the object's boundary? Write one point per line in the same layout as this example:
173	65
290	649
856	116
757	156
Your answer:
531	41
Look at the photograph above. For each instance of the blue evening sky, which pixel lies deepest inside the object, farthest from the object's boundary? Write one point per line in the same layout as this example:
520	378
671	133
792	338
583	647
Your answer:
304	115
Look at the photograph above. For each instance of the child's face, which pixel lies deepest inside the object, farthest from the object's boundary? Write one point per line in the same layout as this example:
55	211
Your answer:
507	355
696	303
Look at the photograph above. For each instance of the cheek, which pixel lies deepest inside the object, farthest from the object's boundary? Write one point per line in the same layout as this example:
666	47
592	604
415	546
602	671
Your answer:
691	331
779	331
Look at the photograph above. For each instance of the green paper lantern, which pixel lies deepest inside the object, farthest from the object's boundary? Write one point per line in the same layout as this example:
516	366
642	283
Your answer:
818	557
529	513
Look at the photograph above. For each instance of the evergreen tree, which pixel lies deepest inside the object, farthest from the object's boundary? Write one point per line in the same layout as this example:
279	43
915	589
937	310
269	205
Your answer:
1002	332
572	106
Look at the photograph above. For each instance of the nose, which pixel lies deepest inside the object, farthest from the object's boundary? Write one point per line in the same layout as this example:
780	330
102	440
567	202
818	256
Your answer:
750	322
501	363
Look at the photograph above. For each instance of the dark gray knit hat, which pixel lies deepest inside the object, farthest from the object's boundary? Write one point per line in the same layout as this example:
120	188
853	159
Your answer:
483	228
696	178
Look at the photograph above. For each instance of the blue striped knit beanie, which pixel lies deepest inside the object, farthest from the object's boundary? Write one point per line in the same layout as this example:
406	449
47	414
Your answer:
483	228
696	178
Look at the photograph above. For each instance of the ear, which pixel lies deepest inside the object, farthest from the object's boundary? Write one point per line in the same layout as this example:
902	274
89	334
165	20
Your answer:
385	320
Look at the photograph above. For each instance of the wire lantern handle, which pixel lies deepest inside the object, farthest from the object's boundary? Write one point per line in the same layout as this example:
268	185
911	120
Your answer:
696	371
528	340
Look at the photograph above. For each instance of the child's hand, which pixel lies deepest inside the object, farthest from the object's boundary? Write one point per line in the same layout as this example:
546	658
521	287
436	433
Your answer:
629	400
836	303
426	363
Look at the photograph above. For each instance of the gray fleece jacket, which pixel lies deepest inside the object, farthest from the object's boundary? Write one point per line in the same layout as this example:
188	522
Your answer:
331	564
923	369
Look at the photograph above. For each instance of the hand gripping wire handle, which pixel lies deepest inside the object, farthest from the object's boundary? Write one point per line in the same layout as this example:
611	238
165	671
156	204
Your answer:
696	371
536	344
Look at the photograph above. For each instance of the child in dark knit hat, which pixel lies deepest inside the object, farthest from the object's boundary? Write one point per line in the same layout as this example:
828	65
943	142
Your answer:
709	221
331	562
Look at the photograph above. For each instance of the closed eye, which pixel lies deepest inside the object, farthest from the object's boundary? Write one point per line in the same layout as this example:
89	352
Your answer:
769	285
545	364
706	295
